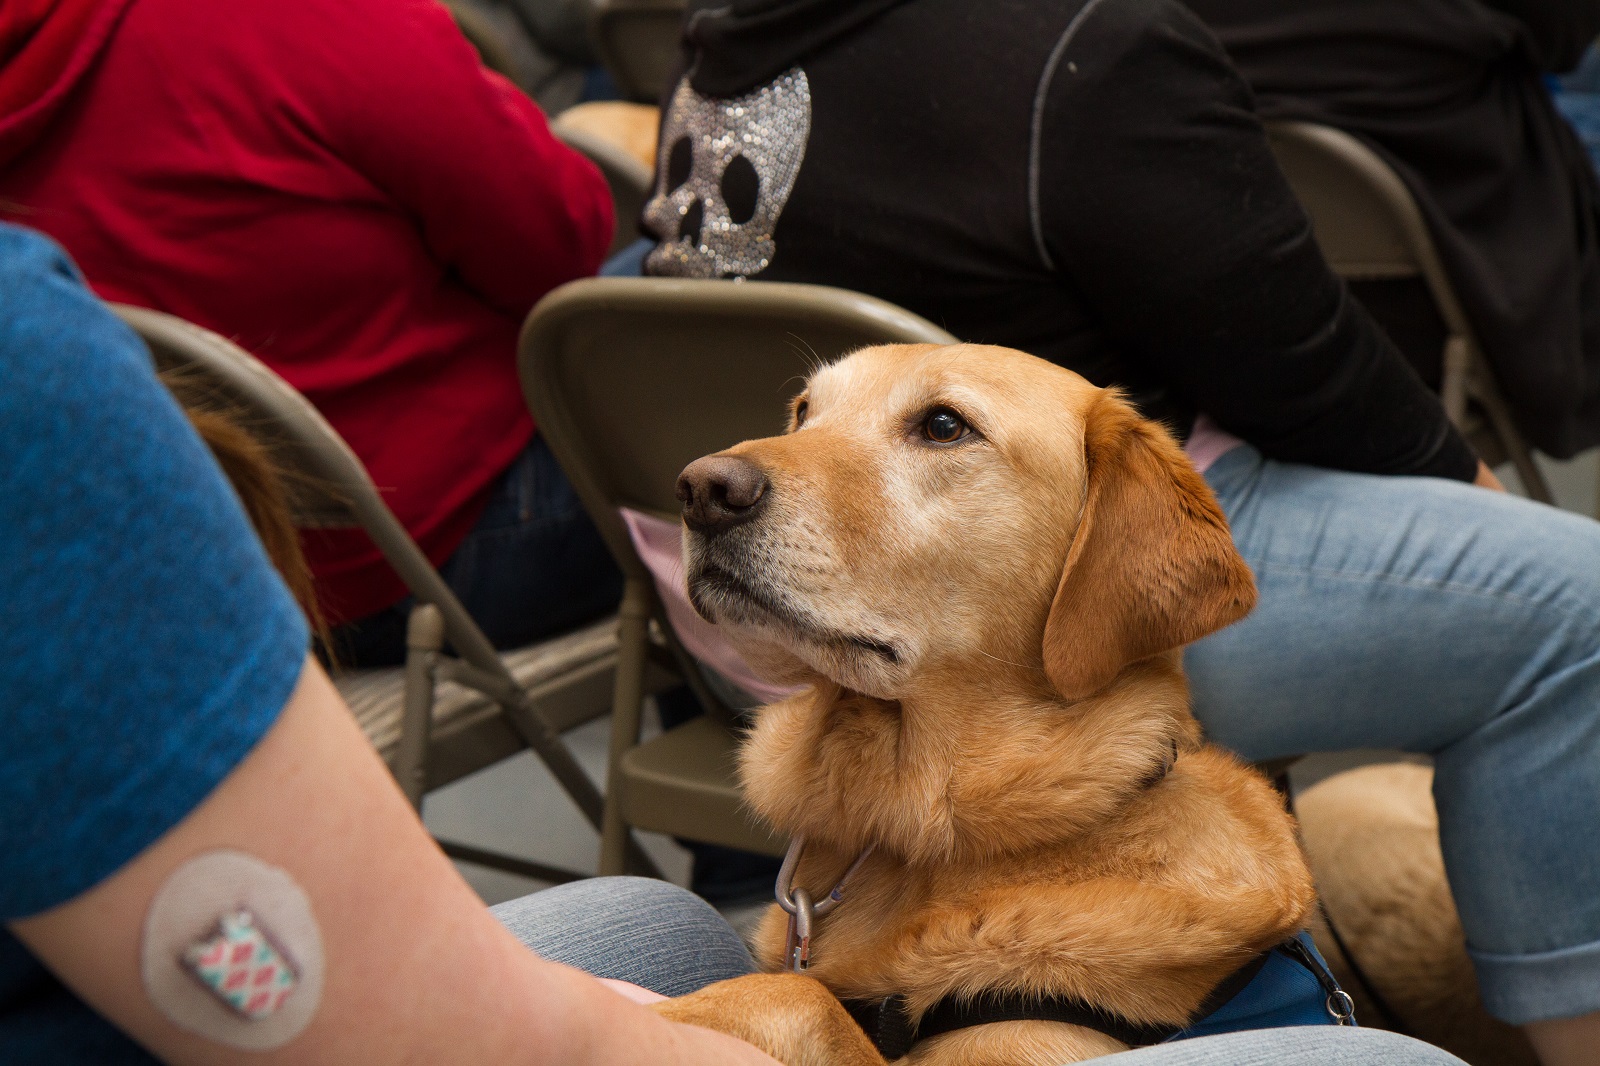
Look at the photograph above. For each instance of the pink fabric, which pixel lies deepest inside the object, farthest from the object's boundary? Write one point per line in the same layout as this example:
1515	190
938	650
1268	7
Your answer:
1208	442
660	544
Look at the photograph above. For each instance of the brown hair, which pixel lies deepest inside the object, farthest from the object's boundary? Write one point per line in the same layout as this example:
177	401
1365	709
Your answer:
259	482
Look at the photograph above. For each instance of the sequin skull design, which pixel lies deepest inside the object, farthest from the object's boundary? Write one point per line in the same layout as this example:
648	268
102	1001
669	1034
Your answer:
726	169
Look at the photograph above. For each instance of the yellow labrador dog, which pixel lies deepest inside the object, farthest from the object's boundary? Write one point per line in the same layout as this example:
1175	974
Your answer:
984	569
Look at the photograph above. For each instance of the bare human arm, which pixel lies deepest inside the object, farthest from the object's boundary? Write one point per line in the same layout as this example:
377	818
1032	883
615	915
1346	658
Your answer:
416	968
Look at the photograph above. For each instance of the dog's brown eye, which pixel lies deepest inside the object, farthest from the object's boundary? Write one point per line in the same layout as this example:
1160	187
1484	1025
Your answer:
800	414
944	426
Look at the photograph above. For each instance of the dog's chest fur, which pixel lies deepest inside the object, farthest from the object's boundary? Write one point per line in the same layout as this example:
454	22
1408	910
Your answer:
964	779
1028	846
1145	915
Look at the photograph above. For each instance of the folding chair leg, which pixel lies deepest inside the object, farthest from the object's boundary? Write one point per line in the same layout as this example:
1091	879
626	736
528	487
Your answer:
1533	482
534	727
424	638
1453	378
633	638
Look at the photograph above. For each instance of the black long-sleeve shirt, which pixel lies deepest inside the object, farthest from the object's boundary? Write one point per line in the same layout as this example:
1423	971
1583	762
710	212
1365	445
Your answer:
1086	181
1452	93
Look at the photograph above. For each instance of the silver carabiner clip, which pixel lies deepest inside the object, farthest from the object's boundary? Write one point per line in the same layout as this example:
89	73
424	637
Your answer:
803	912
800	923
791	861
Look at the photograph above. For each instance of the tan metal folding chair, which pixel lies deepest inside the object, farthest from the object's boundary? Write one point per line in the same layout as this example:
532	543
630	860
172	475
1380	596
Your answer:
1369	227
480	31
638	42
631	379
441	716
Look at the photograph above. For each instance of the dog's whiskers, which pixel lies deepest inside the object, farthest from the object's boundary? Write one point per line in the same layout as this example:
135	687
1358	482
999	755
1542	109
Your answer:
816	362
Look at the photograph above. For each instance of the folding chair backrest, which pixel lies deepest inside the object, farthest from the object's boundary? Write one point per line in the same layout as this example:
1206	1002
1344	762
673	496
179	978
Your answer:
1365	219
631	379
328	486
1369	227
638	42
478	27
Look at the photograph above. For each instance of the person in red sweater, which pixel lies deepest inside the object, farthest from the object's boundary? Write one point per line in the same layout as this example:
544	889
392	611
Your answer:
341	188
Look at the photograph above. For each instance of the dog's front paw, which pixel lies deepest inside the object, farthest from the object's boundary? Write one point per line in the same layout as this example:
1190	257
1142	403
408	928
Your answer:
794	1019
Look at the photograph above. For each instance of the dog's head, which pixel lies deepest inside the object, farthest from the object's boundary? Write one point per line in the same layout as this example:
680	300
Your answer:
936	510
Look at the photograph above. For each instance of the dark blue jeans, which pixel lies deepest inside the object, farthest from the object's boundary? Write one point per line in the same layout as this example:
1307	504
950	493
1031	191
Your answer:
532	567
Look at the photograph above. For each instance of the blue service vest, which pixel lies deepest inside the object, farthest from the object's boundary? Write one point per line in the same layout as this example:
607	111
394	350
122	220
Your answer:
1284	992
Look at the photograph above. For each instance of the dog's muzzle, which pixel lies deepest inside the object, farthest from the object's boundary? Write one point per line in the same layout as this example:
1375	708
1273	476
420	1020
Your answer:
732	577
720	492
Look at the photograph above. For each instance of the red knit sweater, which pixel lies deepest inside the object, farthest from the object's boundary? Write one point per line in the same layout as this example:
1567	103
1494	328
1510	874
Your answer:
335	184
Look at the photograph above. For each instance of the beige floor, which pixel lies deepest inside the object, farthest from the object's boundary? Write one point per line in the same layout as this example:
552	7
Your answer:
515	806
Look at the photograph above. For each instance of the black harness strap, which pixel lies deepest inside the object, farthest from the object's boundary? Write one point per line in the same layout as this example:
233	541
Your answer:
888	1024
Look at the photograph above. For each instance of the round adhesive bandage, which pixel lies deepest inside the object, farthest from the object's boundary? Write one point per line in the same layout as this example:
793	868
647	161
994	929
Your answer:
232	952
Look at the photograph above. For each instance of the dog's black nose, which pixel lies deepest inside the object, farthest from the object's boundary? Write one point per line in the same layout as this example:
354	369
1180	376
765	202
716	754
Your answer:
720	491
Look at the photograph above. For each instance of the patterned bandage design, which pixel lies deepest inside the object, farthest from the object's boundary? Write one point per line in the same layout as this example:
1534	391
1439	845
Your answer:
240	965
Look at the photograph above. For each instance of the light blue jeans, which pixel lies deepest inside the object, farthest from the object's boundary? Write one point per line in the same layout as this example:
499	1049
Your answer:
635	929
1432	616
664	938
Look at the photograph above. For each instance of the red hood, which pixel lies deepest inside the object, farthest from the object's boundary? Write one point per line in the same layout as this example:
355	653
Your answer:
46	47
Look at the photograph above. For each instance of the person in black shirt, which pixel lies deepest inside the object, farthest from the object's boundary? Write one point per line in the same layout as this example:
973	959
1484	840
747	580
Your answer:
1453	94
1089	181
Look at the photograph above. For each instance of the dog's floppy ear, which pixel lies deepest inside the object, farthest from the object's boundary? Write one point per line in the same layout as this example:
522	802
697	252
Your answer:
1152	565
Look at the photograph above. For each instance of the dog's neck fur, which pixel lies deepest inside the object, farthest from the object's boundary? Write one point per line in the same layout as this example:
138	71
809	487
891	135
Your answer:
923	779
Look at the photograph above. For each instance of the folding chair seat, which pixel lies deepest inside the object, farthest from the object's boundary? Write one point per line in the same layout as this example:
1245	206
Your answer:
631	379
441	716
469	730
1369	227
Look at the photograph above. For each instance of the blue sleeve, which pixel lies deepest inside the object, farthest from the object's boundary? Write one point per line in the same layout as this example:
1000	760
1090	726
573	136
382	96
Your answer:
146	643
